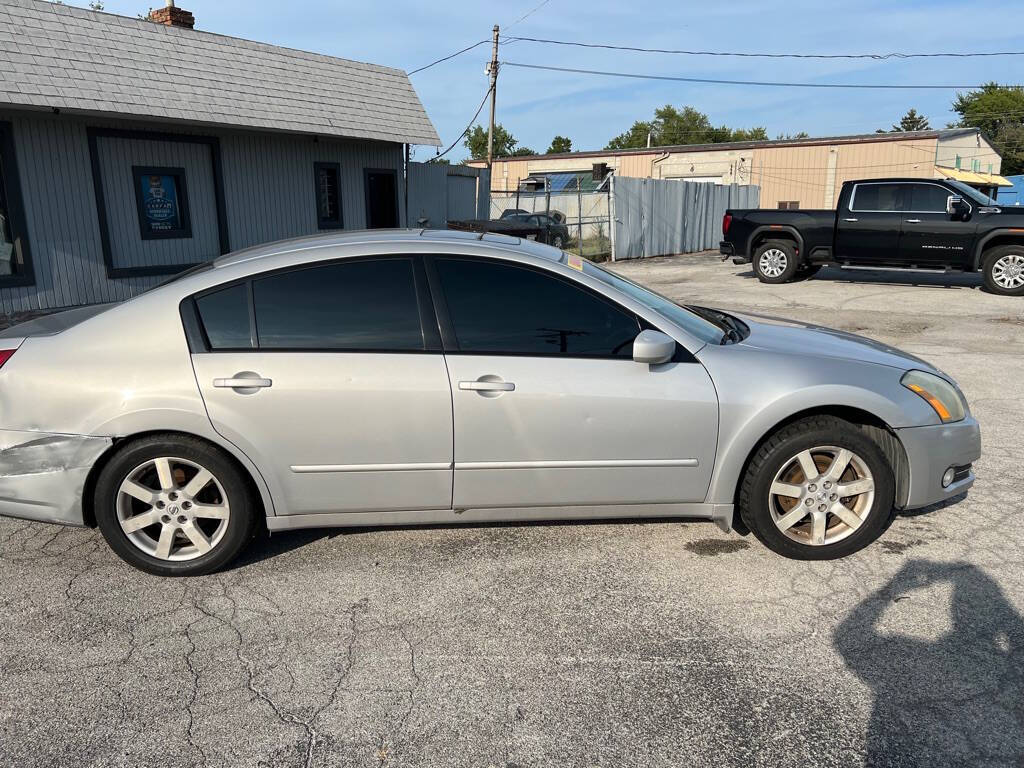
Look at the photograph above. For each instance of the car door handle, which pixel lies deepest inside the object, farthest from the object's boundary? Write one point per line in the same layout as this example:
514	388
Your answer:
241	382
850	219
912	221
488	386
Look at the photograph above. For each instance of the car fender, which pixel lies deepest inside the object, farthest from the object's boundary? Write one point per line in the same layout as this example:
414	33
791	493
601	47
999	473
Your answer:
979	248
751	407
186	422
769	228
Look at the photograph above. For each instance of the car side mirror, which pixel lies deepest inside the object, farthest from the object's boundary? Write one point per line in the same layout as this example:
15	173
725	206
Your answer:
653	347
955	205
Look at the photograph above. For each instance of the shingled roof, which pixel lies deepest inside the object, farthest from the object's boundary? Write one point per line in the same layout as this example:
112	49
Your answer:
62	57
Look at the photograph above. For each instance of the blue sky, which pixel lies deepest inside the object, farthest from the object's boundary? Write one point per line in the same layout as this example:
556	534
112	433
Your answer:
536	105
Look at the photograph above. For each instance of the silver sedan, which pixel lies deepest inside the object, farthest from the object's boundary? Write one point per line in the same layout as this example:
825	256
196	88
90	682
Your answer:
399	378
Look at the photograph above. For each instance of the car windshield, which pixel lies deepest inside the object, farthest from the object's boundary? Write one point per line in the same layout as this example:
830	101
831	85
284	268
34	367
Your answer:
971	193
693	324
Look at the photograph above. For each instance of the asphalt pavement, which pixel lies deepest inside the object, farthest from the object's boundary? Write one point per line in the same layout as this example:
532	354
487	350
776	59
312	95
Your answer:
605	644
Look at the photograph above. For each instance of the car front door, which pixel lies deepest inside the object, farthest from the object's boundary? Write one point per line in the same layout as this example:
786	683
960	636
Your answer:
868	225
932	237
550	408
329	378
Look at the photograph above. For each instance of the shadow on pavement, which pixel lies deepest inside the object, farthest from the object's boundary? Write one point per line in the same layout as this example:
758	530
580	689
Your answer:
885	277
957	700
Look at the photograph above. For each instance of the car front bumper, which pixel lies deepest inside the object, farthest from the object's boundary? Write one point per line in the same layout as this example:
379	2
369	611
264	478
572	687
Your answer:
43	474
934	449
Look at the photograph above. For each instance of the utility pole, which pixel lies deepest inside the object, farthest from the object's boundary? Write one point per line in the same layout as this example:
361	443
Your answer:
493	71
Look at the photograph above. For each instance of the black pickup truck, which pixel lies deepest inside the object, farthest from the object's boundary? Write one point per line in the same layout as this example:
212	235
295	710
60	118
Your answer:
920	224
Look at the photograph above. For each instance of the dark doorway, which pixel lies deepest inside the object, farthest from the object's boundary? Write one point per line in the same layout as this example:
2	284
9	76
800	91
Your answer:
381	199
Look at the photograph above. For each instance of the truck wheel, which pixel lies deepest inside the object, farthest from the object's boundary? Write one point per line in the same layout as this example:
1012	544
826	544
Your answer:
775	262
1004	270
817	489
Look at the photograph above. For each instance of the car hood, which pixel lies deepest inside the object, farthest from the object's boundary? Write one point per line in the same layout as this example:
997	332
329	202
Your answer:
793	337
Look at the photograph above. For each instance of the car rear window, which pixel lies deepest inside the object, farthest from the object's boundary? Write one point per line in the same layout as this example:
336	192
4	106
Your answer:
225	317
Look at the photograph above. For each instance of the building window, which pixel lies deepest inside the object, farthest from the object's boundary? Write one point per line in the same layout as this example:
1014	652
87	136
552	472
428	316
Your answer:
328	195
789	205
15	264
162	202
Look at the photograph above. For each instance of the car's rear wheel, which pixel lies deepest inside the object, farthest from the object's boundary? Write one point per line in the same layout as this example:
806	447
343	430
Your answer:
1004	270
557	241
818	489
775	261
173	505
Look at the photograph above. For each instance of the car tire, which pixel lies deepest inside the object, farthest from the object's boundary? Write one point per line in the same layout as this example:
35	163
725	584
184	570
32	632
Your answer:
798	510
1003	270
775	261
557	241
173	505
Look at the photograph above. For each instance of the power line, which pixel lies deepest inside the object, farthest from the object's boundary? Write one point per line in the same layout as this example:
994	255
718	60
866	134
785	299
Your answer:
714	81
682	52
466	130
449	56
529	13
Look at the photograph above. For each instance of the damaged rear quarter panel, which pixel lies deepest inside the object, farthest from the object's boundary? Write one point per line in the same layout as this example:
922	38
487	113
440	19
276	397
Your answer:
42	476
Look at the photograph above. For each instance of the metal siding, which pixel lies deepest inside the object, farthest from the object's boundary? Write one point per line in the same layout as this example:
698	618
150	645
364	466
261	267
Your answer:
268	189
128	249
268	183
655	217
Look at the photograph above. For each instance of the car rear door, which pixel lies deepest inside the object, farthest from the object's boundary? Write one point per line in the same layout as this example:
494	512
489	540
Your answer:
931	237
329	377
868	226
550	409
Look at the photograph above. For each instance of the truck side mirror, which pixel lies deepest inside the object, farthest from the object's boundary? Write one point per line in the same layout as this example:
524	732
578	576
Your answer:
955	205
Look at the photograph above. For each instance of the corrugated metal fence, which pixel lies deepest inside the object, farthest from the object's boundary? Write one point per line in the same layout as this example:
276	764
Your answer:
654	217
438	193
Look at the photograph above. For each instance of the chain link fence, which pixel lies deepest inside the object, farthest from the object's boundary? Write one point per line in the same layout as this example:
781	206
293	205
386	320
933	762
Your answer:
585	217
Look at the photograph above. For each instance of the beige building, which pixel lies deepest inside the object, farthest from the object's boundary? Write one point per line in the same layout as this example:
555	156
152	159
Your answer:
792	173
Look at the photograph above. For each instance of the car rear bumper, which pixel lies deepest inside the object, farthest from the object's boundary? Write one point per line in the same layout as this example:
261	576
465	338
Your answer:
727	249
43	474
931	451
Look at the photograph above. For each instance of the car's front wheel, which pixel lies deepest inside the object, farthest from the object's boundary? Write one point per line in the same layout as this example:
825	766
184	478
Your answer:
1003	270
173	505
818	489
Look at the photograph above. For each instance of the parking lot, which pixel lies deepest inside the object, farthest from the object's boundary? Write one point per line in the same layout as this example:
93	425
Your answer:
651	643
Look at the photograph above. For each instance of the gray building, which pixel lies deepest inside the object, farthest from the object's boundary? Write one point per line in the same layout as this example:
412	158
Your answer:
131	149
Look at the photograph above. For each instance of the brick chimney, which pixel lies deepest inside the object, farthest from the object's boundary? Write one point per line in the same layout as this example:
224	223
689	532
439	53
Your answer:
172	16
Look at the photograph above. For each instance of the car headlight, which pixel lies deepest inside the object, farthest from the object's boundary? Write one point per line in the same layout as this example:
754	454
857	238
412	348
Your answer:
942	396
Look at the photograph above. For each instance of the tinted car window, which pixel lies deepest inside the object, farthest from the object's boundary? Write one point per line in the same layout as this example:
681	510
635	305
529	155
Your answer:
879	197
928	198
357	305
505	309
225	317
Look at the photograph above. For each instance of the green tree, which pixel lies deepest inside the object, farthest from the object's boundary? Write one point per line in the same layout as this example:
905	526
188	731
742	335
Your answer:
999	112
681	126
911	121
789	136
505	144
559	145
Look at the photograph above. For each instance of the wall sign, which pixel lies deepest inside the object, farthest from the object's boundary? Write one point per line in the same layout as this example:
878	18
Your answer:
163	203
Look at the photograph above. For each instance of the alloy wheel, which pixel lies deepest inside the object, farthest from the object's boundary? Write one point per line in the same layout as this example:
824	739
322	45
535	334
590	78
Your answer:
173	509
821	495
1008	272
773	262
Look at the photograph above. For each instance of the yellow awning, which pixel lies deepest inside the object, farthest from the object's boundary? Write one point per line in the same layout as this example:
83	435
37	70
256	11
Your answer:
974	178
